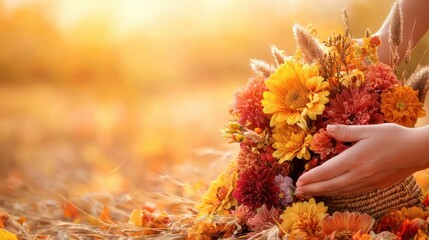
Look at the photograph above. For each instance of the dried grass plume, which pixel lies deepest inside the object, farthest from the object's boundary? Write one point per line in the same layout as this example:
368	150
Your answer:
259	66
346	22
419	80
278	55
396	28
308	44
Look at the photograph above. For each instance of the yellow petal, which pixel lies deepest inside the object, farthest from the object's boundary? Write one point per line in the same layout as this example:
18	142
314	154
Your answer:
136	217
293	118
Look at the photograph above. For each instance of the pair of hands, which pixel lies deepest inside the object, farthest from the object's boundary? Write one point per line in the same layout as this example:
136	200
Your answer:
383	155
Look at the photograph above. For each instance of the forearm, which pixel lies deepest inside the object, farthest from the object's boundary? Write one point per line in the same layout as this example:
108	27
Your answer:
421	144
415	25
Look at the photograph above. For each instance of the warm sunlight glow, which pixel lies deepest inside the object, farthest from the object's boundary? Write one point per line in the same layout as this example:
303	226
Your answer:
142	84
112	110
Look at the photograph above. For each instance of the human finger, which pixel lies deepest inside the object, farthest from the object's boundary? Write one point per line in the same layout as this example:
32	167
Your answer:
350	133
329	169
326	188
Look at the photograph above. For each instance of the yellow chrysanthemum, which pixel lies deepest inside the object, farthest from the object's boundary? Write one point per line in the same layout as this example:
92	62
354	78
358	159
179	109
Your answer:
295	90
6	235
218	199
290	142
304	219
402	106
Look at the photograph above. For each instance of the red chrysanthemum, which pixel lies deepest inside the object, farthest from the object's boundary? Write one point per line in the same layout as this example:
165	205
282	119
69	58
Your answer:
325	145
380	78
353	106
281	168
247	105
256	188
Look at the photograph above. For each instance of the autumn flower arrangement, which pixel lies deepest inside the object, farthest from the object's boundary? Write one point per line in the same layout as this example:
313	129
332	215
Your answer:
279	120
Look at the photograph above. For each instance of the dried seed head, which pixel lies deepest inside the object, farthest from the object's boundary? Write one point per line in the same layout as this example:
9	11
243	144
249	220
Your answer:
396	22
419	80
368	33
278	55
259	66
346	21
410	49
308	44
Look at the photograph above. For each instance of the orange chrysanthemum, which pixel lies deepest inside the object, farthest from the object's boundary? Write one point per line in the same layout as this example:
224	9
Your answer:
325	145
401	105
247	105
347	224
295	90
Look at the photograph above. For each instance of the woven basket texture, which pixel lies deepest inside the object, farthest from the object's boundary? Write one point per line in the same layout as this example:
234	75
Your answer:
404	194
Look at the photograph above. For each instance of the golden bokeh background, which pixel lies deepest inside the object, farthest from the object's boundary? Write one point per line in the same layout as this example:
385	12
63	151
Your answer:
105	95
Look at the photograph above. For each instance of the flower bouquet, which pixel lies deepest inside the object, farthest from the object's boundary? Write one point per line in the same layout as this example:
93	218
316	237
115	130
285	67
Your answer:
279	119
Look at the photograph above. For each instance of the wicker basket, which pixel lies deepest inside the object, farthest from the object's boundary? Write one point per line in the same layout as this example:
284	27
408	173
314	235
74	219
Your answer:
404	194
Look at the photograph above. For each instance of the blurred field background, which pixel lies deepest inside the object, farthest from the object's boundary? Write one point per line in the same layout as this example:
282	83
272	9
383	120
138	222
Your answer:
105	96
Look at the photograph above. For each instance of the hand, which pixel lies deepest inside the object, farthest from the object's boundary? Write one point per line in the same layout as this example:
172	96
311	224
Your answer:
383	155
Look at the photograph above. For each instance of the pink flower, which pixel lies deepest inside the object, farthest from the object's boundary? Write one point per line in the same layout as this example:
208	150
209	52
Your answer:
286	188
353	106
263	219
243	213
379	78
325	145
256	188
247	105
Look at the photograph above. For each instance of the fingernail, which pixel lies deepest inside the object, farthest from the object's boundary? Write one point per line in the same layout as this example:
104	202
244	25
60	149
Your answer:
331	128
